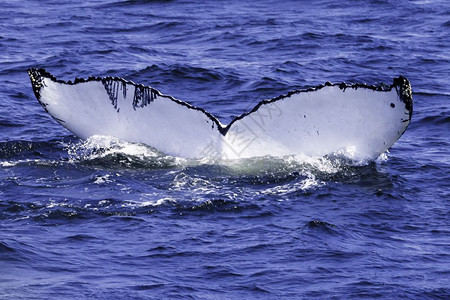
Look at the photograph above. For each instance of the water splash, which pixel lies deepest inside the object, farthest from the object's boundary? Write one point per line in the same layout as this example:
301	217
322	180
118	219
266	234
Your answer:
104	150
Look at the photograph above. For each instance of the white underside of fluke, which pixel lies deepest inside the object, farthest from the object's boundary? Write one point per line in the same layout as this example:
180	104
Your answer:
360	123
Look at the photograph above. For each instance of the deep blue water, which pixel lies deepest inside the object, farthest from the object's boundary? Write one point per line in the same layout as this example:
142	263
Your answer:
108	219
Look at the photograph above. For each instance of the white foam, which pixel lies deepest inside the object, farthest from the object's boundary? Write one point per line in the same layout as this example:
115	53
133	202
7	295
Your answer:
103	179
308	183
104	146
154	202
7	164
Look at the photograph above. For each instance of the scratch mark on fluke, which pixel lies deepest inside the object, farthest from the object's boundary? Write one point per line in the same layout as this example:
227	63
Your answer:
112	88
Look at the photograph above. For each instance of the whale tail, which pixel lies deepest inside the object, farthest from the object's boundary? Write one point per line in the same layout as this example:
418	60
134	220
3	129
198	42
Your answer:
358	120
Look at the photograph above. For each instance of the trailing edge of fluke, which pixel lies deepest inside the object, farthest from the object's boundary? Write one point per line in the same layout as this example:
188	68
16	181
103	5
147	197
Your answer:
356	120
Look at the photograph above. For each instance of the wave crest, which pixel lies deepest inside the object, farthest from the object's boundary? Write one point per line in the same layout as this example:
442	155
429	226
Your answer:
112	152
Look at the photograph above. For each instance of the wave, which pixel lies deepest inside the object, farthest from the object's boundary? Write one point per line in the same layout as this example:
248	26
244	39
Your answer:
145	181
112	153
126	3
106	152
436	119
106	149
26	149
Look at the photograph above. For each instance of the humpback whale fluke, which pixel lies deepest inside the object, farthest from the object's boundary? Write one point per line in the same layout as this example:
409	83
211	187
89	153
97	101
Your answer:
359	120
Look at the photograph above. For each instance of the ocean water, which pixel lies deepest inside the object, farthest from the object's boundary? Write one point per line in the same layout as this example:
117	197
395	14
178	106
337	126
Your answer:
105	219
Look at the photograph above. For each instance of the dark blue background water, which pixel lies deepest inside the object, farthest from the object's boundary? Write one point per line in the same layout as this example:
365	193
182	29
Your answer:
107	219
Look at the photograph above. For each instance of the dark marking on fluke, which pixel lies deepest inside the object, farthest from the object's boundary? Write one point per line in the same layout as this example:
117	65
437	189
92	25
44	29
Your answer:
144	95
37	81
404	92
112	89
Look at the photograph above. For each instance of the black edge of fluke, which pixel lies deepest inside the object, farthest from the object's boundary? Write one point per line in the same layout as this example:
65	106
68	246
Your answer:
405	93
401	84
144	94
36	81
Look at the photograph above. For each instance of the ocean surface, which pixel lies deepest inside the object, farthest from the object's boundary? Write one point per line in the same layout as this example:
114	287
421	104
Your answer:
106	219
